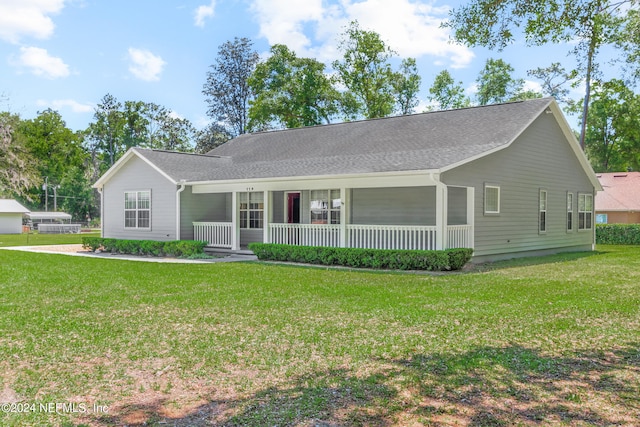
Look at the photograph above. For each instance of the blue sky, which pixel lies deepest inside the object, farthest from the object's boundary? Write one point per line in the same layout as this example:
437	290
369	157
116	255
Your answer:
67	54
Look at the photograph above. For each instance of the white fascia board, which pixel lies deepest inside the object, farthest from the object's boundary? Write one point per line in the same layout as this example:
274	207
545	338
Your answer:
122	161
367	180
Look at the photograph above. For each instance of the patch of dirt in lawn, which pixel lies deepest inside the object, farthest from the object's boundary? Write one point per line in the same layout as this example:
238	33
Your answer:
598	391
72	248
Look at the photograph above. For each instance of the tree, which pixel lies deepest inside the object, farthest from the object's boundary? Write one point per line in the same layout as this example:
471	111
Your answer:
613	130
17	172
176	134
227	90
591	23
366	74
291	91
446	93
629	42
554	80
495	83
406	86
106	133
211	137
54	149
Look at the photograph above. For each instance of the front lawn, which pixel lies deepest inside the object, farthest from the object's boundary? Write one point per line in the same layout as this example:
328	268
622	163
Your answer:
542	341
36	239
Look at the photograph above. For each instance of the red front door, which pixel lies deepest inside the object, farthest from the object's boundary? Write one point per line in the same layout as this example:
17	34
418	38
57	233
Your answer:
293	208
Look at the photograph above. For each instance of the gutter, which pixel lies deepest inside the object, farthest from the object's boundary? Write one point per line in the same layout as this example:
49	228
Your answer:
101	210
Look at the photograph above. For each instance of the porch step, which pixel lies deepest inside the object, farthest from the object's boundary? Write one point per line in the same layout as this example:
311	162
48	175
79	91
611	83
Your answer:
212	250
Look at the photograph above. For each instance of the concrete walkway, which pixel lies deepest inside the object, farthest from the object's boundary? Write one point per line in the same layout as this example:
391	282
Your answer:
77	250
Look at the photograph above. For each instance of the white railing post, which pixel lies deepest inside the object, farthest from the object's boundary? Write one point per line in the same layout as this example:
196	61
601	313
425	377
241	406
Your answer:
344	217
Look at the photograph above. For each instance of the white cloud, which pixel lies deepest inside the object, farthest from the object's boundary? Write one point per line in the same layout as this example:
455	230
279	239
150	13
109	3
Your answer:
311	28
203	12
40	63
532	86
282	21
61	104
30	18
145	65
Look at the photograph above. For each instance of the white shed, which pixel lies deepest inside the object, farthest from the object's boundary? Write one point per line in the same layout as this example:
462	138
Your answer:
11	216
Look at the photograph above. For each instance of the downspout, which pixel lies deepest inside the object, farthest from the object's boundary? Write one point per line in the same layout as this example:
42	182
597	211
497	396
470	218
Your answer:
180	190
101	211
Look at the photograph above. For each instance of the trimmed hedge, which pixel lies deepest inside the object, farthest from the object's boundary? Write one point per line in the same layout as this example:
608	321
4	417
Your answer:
178	248
450	259
618	234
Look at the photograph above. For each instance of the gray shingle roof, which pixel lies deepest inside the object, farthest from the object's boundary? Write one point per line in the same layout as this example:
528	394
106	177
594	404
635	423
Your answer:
427	141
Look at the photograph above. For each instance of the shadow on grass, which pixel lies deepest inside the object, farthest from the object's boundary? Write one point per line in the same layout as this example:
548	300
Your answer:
530	261
487	386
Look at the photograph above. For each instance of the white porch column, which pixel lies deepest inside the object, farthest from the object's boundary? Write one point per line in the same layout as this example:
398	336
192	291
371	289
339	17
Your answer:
267	217
441	215
235	222
345	213
471	200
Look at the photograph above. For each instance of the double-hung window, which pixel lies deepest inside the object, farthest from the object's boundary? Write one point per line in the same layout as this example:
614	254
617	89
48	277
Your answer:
325	206
137	209
585	211
491	199
251	209
542	222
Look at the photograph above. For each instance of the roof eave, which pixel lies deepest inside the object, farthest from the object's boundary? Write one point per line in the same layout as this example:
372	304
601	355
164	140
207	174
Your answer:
316	177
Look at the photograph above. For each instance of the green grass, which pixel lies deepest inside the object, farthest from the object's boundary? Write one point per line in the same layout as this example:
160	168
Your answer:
36	239
551	340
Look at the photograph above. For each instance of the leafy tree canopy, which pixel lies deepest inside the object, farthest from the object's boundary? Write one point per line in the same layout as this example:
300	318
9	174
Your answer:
227	88
291	92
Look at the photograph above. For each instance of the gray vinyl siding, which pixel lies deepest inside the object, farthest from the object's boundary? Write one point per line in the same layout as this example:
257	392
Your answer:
394	206
278	207
210	207
540	158
250	235
137	175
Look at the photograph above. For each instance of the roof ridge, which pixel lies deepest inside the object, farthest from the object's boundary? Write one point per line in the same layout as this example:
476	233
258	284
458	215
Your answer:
157	150
395	117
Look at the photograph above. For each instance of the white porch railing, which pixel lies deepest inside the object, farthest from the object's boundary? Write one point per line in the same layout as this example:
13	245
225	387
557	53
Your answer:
217	234
391	237
305	234
58	228
459	236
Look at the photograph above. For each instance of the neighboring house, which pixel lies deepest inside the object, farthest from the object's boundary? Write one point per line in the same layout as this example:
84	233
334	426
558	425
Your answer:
619	200
506	180
11	216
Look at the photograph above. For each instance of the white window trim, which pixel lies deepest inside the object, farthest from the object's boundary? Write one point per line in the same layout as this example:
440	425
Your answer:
486	211
329	209
590	225
570	211
137	210
248	210
541	210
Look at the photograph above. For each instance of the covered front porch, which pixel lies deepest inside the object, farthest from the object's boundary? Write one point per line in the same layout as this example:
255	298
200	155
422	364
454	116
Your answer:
402	216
